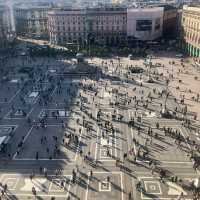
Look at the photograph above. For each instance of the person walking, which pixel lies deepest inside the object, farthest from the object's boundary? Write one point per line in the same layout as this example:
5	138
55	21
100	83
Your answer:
180	197
91	175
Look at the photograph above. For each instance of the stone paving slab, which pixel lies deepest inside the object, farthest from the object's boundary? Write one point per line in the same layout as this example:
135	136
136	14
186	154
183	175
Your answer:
20	186
8	92
100	188
153	188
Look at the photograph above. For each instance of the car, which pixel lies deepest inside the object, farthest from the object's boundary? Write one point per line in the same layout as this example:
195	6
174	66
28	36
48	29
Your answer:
136	70
158	65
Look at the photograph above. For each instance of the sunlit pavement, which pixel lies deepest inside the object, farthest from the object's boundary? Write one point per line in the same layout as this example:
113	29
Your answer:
58	131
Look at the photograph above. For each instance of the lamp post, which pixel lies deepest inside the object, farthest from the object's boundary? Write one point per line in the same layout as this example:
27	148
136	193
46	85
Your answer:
167	95
149	64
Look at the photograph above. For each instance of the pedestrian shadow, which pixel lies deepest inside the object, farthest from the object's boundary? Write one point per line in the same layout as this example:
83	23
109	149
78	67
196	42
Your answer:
127	171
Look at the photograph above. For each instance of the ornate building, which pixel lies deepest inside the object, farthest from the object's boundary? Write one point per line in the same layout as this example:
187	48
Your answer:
31	21
191	30
7	27
95	25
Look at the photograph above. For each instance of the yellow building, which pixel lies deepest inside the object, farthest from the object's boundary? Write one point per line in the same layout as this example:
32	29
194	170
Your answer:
191	30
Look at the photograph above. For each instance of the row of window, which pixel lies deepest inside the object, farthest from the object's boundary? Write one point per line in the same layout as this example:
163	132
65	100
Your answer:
192	16
103	28
60	23
193	37
37	24
95	18
190	22
34	30
78	34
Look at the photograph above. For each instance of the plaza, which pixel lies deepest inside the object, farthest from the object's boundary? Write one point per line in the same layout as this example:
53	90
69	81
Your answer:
120	131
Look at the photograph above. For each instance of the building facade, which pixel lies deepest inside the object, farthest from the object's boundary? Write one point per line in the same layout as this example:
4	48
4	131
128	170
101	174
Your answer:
191	30
7	27
145	24
2	29
31	21
96	25
170	20
80	26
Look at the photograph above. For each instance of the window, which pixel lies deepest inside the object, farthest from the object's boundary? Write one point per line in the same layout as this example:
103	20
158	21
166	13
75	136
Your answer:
157	24
143	25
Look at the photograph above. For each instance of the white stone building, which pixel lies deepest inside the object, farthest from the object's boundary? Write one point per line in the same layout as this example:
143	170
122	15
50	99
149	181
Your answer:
95	25
145	23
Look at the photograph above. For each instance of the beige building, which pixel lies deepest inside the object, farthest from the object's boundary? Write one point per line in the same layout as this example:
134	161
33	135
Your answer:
80	26
191	30
31	21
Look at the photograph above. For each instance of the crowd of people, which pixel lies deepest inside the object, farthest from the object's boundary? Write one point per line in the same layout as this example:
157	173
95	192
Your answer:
89	100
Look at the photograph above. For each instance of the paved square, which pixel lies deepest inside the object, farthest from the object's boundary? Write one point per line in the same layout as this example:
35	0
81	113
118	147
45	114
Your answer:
108	146
152	187
93	130
21	185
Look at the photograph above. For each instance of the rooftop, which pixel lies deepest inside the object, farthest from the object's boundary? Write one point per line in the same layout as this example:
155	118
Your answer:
192	8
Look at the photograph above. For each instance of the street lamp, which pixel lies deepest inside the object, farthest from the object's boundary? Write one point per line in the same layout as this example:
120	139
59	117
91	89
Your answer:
166	97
